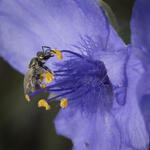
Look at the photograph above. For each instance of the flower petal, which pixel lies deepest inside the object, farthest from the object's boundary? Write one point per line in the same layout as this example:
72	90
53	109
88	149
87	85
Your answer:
143	90
88	131
115	63
140	24
27	25
140	29
130	118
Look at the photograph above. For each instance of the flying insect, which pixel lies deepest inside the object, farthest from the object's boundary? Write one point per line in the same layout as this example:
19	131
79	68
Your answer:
32	79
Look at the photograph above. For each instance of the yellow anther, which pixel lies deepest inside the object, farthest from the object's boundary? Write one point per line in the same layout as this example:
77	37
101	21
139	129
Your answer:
42	76
49	77
59	54
43	103
43	85
27	97
64	103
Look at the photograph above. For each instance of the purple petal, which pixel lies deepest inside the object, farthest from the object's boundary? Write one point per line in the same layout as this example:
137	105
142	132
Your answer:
88	131
140	27
130	118
27	25
143	91
140	24
115	63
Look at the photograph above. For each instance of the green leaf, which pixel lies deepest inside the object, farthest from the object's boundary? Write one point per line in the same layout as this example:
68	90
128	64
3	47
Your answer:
110	15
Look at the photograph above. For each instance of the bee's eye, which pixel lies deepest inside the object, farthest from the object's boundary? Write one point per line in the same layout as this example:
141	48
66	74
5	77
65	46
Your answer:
40	54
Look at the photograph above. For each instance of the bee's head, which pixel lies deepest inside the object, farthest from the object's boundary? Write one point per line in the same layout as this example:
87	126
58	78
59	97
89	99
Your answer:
40	55
43	56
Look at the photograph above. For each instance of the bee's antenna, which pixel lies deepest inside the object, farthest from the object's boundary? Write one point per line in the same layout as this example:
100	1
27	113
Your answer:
47	48
43	49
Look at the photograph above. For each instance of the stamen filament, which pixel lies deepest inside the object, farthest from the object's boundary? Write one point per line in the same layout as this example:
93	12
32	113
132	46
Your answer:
61	89
80	95
61	70
44	89
63	94
68	51
61	75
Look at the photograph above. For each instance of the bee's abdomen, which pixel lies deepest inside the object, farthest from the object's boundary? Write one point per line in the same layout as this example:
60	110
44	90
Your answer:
31	81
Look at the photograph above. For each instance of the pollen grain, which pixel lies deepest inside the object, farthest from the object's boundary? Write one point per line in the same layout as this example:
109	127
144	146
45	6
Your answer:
58	53
27	98
42	76
43	103
49	77
64	103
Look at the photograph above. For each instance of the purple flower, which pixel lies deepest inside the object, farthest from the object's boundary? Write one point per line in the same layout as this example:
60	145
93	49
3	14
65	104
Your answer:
104	80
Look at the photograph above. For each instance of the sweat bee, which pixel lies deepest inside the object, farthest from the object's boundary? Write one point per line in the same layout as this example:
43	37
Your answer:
32	79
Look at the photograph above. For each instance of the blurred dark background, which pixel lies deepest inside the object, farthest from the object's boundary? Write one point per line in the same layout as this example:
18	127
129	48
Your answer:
23	126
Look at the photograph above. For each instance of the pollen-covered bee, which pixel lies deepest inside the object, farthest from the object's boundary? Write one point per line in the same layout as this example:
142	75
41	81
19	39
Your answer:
33	77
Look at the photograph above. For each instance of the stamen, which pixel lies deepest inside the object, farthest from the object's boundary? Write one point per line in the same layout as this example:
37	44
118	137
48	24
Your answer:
63	94
43	103
64	103
27	98
49	77
59	54
44	89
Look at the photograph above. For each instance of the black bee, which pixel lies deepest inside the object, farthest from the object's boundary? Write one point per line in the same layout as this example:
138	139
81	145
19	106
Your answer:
36	67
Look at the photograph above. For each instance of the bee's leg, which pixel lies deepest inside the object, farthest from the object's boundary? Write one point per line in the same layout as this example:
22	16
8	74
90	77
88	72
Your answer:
47	69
